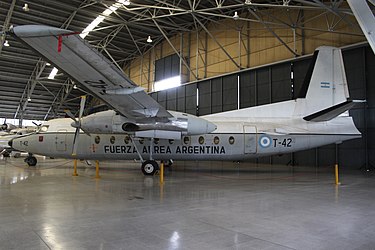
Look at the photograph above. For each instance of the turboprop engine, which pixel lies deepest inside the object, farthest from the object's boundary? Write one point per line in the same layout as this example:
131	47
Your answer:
168	128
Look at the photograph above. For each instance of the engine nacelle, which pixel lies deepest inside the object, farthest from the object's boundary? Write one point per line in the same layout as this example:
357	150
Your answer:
112	123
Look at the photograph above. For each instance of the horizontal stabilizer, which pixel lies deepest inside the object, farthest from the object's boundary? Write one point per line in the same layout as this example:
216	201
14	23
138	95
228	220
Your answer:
331	112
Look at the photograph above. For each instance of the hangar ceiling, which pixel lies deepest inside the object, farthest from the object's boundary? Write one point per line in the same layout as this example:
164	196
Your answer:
26	91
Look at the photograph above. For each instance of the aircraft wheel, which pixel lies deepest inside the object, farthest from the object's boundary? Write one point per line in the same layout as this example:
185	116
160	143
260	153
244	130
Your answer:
31	161
6	154
149	167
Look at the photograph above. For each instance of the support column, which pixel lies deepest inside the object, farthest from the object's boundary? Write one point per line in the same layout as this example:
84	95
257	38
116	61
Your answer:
75	168
97	176
161	172
337	166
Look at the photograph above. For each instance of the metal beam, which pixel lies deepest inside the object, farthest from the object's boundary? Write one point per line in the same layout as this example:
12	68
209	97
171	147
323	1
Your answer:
213	38
6	24
175	50
273	32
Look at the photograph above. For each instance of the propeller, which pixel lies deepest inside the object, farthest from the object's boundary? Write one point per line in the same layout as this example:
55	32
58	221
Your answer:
37	125
77	124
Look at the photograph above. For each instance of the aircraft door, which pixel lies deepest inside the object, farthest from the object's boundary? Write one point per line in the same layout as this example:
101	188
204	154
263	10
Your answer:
250	139
61	140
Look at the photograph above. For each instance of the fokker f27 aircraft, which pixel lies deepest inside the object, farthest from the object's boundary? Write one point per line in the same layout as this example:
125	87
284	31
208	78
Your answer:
139	128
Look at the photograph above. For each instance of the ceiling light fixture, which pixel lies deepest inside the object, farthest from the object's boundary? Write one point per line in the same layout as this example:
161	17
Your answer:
126	2
48	64
26	7
29	99
248	2
53	73
149	40
6	43
235	16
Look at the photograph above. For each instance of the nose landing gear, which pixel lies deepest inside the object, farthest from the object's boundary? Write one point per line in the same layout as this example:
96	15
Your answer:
31	160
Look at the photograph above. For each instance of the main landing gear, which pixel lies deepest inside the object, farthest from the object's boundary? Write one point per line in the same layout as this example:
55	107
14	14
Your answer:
31	160
149	167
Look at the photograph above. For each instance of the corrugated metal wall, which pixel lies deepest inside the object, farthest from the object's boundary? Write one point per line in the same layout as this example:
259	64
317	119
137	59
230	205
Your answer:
273	83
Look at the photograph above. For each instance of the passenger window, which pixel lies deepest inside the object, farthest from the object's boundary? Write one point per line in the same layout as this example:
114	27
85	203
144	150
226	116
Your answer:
201	140
231	140
216	140
127	139
112	139
186	139
97	139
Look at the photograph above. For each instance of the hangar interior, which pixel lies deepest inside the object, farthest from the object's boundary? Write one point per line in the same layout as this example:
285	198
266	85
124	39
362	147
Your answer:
226	55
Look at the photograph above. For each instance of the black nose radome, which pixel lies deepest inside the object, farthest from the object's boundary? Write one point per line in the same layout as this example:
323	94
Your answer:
10	143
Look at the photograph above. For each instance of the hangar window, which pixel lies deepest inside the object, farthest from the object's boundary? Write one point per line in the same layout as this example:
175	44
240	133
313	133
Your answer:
112	139
97	139
201	140
167	72
231	140
127	139
186	139
216	140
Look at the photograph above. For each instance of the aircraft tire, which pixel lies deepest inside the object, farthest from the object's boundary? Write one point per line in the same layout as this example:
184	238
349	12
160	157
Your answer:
31	161
149	167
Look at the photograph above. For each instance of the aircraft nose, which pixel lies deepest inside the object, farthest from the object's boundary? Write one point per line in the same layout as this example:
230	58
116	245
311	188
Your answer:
10	143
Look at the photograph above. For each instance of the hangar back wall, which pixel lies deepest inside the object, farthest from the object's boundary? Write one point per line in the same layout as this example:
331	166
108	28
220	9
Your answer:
240	44
273	83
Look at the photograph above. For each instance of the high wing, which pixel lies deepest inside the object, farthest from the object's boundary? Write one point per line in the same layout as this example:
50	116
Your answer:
74	56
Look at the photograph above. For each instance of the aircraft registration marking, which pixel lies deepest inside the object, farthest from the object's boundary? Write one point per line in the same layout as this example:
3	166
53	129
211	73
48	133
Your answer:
287	142
266	141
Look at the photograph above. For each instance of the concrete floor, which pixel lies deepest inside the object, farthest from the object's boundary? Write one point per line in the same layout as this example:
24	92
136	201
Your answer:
205	205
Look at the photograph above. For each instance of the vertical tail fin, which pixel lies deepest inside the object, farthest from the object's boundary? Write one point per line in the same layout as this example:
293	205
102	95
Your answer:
327	84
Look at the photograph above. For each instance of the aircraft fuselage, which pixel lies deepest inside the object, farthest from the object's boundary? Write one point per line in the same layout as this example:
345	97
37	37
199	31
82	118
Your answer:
234	140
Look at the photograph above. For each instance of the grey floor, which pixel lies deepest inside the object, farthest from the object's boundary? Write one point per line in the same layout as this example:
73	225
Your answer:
202	205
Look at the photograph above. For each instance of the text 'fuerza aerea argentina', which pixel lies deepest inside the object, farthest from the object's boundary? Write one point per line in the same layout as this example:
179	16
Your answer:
123	149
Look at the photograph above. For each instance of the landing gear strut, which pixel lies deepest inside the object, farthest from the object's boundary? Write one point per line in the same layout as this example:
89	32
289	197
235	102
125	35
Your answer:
149	167
31	160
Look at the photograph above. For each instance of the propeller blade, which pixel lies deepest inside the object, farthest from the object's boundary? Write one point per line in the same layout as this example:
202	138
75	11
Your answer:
36	124
67	111
82	106
75	142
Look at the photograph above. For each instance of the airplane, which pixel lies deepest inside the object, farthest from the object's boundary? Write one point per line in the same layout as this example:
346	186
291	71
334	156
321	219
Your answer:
140	128
7	127
12	132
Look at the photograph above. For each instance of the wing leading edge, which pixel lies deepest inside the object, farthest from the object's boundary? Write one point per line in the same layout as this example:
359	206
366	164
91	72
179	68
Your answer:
71	54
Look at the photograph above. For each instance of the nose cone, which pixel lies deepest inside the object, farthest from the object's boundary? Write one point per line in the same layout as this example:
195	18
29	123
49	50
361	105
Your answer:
10	143
199	126
74	124
211	127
